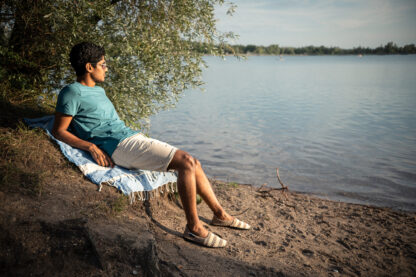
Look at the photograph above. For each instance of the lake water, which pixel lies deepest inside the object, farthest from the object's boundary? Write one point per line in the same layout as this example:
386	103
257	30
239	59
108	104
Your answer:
340	127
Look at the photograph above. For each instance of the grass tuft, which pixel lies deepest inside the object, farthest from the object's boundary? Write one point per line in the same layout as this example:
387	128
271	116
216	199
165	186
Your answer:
233	184
119	204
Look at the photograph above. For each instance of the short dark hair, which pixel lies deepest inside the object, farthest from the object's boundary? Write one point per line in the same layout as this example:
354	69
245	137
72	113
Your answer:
83	53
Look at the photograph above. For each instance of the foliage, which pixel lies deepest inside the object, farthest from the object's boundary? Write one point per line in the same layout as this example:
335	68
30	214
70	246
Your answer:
275	49
150	47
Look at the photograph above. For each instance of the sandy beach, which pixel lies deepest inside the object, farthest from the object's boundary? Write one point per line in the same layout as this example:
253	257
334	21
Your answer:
296	236
73	230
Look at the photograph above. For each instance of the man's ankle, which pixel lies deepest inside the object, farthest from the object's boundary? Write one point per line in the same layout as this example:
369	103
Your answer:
222	215
198	229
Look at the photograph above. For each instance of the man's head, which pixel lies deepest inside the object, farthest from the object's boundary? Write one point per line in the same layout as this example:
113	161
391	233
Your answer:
87	57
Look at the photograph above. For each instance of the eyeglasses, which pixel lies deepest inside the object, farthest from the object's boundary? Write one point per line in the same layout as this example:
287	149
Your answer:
103	65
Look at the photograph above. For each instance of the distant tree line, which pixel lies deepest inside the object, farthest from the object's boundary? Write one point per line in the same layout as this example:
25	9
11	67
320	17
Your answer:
274	49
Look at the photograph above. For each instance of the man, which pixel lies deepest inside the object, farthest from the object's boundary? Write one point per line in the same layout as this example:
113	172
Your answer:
96	128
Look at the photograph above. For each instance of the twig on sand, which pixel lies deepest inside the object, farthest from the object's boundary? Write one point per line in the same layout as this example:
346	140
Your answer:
241	212
266	190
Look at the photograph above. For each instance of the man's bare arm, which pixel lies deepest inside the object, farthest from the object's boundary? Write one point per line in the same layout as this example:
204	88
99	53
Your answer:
60	131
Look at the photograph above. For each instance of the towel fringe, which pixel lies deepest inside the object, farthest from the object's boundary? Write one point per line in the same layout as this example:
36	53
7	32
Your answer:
170	187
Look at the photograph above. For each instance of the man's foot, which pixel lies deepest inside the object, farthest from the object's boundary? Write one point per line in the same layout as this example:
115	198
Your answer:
211	240
198	230
224	216
232	223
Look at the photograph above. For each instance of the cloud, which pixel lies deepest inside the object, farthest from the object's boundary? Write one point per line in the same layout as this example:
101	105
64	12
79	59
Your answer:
262	22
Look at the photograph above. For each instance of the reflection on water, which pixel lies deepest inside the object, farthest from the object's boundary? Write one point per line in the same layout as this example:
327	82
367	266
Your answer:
339	127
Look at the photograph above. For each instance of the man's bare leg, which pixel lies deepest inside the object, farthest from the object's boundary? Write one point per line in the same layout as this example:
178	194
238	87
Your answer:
204	189
186	167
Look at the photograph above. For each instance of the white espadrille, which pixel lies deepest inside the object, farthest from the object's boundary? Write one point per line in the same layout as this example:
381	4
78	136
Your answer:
234	223
212	240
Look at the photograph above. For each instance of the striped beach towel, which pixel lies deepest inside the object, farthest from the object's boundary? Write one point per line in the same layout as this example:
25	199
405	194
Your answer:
137	184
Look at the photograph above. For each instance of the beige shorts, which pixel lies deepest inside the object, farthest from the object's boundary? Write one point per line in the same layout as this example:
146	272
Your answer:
141	152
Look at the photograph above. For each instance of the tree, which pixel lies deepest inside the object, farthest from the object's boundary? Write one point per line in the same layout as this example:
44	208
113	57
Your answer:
409	49
260	50
273	49
250	48
149	44
390	48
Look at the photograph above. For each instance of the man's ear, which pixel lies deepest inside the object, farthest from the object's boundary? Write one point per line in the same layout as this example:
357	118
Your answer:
88	67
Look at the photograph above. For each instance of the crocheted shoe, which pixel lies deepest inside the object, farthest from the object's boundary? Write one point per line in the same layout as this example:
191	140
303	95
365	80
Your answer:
234	223
212	240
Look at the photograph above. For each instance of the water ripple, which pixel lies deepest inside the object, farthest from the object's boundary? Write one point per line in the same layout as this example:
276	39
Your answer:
338	127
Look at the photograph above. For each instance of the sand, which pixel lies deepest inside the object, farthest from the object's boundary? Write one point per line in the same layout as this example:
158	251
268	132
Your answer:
295	236
70	230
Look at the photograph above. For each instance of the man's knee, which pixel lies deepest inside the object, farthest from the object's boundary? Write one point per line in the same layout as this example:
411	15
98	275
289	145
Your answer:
197	163
188	162
184	161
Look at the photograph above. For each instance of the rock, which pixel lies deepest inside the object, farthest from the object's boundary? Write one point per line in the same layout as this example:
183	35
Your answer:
307	252
261	242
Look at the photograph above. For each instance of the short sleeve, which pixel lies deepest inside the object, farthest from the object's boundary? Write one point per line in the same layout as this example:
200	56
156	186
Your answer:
68	101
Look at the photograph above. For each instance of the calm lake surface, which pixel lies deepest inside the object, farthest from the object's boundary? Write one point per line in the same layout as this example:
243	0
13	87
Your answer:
340	127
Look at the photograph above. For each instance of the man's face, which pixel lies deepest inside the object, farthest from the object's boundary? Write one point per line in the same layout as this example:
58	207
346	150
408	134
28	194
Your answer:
98	72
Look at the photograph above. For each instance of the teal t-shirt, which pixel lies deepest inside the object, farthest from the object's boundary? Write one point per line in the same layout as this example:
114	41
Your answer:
94	116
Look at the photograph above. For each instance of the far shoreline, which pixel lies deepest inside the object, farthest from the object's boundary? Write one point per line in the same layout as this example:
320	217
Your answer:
303	55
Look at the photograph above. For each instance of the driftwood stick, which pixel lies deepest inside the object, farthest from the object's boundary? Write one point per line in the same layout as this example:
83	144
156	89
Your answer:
241	212
280	181
263	189
284	188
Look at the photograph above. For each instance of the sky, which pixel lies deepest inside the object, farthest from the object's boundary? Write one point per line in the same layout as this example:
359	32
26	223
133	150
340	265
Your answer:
342	23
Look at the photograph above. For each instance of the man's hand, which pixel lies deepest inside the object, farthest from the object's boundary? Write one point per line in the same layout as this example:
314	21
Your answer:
60	132
100	156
